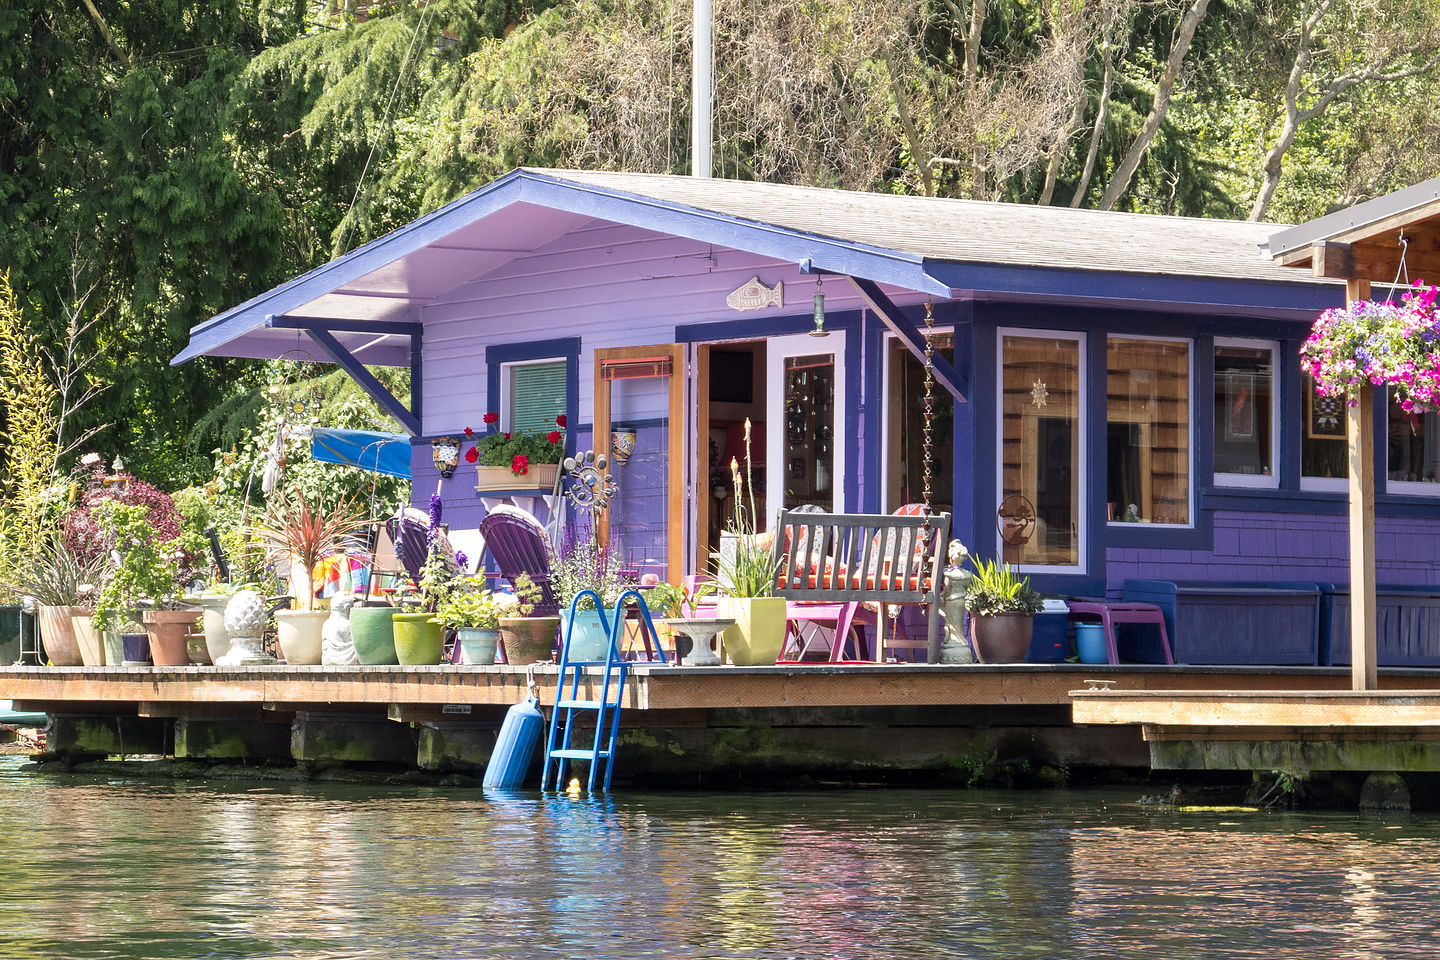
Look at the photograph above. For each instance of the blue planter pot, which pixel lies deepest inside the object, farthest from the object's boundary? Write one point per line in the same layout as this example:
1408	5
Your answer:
588	641
136	648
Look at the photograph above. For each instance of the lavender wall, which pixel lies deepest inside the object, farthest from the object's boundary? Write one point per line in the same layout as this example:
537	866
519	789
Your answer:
1287	546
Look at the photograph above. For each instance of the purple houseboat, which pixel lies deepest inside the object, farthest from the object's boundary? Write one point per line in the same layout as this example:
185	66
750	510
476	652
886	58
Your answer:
1116	397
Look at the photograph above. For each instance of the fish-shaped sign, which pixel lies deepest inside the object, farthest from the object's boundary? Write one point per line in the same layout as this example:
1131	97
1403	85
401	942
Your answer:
754	295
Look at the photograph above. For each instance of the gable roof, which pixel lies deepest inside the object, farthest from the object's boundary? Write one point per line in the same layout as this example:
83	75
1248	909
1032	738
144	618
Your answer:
939	247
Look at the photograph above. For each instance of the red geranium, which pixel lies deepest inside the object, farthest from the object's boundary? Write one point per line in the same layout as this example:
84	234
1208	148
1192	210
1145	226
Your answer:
507	434
560	420
554	436
492	418
520	465
469	432
472	455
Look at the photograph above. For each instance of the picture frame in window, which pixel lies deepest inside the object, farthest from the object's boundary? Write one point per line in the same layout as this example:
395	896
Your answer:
1240	406
1324	416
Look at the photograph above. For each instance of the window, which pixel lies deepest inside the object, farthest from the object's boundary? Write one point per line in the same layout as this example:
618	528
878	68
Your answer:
534	393
1042	473
1147	430
905	425
1412	455
1245	412
1324	449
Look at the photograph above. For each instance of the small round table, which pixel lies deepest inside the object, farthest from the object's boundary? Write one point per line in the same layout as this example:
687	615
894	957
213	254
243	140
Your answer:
695	639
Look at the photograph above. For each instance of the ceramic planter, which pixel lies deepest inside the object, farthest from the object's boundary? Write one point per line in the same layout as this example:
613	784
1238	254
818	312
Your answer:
217	638
114	648
759	632
419	639
586	637
372	630
540	477
1001	638
299	634
196	648
89	640
529	639
136	647
167	629
478	645
57	634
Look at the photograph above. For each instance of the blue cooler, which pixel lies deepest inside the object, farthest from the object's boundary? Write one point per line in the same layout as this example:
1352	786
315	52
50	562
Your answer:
1047	641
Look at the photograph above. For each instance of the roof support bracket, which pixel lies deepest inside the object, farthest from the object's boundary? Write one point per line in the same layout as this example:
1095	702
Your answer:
326	341
909	335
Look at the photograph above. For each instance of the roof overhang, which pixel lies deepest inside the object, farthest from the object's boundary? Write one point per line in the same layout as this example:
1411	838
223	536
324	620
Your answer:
1390	238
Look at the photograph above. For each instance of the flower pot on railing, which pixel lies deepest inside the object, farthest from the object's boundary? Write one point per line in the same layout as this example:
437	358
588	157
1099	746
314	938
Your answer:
1001	637
372	630
57	635
167	629
759	632
136	647
217	638
588	640
528	639
419	639
540	476
477	645
90	641
299	635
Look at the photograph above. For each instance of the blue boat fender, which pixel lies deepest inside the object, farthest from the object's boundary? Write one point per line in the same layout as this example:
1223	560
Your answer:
515	746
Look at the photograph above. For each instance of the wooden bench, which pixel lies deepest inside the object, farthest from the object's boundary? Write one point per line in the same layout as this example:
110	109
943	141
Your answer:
863	558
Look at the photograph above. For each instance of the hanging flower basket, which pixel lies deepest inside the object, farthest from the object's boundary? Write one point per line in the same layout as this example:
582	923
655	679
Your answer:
1383	343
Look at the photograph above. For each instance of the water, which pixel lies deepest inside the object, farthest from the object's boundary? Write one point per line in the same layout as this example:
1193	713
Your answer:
127	868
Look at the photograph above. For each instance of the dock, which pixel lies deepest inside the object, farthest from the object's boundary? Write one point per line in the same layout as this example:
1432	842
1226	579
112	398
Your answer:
892	722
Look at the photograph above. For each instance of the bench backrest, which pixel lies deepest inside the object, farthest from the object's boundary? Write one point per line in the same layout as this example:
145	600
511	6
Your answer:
860	556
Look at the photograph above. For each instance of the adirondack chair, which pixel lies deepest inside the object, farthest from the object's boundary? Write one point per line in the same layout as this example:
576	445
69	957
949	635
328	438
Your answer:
517	542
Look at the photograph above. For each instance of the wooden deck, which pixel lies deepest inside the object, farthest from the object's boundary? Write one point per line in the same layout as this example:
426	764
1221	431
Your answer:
657	687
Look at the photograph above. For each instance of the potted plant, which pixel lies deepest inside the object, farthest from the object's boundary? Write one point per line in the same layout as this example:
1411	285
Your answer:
527	639
744	575
474	614
149	572
578	565
62	584
516	458
1002	608
419	631
305	531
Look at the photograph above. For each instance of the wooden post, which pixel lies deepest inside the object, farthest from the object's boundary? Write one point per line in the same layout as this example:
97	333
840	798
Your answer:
1361	439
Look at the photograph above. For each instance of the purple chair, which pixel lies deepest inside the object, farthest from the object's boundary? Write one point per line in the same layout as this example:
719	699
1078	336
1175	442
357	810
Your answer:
517	542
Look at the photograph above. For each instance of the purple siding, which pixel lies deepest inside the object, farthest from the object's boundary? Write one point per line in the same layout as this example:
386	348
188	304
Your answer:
1287	546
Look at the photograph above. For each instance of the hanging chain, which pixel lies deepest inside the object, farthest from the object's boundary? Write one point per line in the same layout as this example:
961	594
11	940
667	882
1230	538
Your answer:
928	412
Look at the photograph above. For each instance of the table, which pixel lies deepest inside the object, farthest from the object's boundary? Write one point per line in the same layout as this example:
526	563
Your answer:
1112	612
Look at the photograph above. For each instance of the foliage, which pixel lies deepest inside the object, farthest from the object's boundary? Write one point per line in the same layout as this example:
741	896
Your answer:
57	577
527	594
665	599
152	568
750	570
307	530
1382	343
516	449
87	536
995	589
581	563
469	605
28	396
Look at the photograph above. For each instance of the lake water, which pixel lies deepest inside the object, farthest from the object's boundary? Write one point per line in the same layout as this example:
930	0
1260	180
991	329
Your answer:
131	868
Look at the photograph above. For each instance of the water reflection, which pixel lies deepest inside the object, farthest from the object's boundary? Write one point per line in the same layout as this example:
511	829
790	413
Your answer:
138	869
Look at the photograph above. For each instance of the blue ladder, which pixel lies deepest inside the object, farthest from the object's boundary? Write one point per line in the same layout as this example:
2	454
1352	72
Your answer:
606	711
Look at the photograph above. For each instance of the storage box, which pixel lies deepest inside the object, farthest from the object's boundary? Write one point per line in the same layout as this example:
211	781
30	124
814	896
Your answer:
1407	625
1048	643
1227	622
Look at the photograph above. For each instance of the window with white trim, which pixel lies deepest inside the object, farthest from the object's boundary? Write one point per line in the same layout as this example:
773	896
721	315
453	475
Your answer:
1041	459
1412	451
1147	430
904	465
1324	444
533	394
1246	445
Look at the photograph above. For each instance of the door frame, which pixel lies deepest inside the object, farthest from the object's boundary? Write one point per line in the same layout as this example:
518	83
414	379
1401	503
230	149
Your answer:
675	439
777	349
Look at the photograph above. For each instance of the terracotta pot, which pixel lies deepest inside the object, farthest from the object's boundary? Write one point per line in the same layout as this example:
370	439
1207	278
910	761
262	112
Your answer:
372	630
167	629
759	632
529	639
57	635
419	639
1002	638
89	640
300	634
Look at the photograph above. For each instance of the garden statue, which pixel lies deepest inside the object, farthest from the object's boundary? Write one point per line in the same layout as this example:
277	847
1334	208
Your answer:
338	649
245	617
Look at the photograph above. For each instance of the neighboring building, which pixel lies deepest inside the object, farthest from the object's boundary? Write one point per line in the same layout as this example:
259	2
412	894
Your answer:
1124	388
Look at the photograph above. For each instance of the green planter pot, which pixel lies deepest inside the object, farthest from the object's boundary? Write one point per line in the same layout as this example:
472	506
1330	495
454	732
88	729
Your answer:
419	639
478	645
373	632
587	639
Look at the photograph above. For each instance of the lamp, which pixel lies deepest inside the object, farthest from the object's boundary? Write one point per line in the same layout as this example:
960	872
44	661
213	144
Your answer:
819	330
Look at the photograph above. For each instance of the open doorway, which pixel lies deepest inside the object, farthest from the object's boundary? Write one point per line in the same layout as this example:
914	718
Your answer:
730	388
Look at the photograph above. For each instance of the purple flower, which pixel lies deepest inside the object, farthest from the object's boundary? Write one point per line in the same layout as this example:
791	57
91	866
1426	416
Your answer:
461	559
434	516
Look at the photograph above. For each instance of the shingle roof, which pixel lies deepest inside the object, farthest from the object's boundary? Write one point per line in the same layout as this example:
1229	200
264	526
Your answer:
973	231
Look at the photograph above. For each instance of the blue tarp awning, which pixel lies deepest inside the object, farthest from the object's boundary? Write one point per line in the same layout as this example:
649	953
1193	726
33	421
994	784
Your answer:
387	453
